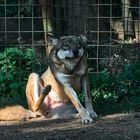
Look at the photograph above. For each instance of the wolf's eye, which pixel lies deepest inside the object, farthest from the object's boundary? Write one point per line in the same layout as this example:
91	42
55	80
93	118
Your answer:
65	47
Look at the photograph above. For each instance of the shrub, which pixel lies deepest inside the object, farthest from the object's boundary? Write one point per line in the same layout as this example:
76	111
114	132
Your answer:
110	92
15	66
116	92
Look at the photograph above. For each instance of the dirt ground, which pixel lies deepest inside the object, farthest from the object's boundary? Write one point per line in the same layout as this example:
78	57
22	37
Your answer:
113	127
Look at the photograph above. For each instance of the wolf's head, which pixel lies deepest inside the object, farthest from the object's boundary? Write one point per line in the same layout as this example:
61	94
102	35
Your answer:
69	47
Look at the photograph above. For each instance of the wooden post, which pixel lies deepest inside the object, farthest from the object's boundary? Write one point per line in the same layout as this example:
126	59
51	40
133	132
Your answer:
46	11
128	23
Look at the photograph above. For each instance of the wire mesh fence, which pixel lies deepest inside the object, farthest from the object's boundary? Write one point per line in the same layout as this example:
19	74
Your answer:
111	26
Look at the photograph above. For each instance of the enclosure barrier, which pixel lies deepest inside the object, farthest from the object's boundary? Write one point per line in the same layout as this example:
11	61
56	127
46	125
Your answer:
111	26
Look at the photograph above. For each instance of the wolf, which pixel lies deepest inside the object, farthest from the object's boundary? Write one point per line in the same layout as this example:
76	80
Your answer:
68	75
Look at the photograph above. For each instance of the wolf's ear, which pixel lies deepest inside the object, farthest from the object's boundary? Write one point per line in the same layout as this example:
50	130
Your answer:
83	38
51	40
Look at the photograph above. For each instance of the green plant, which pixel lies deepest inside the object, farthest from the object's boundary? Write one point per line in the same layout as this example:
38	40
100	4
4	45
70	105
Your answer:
15	66
110	92
116	92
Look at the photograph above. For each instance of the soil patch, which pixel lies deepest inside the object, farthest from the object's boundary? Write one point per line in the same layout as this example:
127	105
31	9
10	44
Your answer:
112	127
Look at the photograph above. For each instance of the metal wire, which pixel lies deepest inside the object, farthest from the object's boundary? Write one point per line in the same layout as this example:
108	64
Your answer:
21	26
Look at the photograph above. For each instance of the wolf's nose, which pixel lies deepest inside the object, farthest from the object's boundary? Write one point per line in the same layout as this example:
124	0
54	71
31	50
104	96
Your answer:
75	52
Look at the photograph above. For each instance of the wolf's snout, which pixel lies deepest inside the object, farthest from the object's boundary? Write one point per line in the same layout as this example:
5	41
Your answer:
75	52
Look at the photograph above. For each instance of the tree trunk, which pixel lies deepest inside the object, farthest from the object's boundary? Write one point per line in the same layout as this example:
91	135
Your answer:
75	17
69	15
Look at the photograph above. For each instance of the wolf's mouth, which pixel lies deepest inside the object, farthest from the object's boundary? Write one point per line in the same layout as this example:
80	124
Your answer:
71	58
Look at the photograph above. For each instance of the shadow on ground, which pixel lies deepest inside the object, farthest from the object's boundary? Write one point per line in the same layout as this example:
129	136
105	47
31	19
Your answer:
113	127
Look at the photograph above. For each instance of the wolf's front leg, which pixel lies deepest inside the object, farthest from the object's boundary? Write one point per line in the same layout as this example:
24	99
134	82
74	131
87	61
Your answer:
88	99
83	113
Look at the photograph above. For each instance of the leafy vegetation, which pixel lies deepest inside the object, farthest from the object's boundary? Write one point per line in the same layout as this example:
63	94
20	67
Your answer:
15	66
110	92
117	92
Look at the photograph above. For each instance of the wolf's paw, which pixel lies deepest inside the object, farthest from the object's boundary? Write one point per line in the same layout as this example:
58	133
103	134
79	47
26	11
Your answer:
85	117
91	111
46	89
93	114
